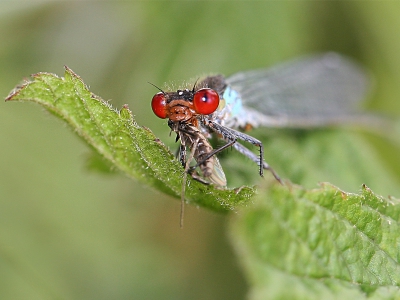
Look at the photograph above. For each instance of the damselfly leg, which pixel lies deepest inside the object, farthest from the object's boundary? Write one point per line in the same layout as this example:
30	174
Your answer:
231	136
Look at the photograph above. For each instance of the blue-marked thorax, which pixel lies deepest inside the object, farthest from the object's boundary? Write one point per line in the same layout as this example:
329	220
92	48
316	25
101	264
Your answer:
233	101
231	112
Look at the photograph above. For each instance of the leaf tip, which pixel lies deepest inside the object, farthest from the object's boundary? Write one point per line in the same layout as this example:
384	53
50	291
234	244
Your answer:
126	112
71	74
365	188
15	91
69	71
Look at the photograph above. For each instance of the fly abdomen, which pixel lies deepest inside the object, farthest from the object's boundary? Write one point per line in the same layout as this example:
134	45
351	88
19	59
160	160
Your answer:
209	165
200	155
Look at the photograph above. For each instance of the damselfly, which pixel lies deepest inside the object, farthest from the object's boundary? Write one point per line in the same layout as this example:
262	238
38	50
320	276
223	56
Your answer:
318	90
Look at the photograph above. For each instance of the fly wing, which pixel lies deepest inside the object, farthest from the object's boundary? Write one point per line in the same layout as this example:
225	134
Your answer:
313	91
218	176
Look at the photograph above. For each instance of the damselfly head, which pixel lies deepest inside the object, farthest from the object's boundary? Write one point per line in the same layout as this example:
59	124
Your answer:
183	104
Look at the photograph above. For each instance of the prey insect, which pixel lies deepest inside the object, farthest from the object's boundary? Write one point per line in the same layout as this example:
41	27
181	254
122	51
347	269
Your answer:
319	90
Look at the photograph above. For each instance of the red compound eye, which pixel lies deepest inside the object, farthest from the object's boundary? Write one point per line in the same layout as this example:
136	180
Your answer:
205	101
159	105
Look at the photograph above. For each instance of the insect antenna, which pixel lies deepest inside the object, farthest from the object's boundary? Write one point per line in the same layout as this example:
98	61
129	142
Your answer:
156	87
194	85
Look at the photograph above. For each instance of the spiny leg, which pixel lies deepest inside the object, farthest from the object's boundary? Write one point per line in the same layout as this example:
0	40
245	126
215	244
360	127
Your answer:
246	152
229	134
214	152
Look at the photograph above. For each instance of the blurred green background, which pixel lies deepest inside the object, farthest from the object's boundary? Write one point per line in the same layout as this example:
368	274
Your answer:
70	233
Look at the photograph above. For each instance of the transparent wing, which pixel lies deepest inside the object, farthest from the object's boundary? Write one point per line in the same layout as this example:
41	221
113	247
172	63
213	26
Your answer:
312	91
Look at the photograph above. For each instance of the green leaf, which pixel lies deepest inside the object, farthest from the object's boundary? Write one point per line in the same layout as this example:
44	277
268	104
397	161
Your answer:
320	244
95	162
323	243
115	135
